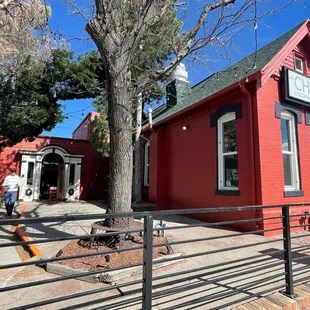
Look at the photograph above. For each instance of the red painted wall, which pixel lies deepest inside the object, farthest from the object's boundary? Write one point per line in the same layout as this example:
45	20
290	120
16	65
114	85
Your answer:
83	131
92	186
183	164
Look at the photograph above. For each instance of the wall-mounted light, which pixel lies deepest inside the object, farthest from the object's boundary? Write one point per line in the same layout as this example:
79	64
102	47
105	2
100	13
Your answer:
185	126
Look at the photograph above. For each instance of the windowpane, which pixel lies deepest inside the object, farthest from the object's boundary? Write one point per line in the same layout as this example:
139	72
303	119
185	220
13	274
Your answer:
298	64
229	137
71	174
148	175
30	173
285	131
287	167
147	164
231	171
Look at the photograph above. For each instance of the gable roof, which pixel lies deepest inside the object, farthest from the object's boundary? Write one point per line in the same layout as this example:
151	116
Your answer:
89	116
235	73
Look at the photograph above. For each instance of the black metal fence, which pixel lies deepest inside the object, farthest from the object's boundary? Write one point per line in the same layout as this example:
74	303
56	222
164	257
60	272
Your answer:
213	272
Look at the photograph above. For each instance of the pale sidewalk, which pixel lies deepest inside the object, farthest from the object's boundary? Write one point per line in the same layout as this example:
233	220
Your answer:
41	231
8	255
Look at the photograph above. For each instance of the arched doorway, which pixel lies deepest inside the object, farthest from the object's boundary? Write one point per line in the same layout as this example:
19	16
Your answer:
52	174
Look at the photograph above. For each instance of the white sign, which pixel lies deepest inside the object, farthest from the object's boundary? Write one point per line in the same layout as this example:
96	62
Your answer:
298	86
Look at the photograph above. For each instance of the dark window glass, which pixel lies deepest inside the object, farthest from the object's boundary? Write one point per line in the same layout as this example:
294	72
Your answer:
299	64
71	174
231	177
287	166
285	131
148	164
229	137
30	173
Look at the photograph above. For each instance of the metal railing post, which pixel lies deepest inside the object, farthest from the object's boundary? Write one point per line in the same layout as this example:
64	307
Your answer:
147	262
289	290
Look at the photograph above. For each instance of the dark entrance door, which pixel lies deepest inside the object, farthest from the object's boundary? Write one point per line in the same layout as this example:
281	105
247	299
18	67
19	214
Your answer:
51	174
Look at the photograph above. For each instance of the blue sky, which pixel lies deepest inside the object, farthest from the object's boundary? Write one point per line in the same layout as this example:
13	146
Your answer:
269	29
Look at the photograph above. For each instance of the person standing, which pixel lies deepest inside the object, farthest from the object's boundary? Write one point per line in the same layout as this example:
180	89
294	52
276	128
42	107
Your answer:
11	184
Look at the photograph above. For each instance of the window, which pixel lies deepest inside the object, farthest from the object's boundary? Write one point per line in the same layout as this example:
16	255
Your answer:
30	173
299	66
227	153
147	164
71	174
289	152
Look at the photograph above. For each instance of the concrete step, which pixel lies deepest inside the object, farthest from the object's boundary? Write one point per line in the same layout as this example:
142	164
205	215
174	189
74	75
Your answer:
141	207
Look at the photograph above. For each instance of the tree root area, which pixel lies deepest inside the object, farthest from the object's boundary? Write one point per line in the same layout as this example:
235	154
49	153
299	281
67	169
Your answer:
117	259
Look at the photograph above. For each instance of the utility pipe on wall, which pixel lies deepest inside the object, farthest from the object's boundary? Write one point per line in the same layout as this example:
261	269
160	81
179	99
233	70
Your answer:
251	144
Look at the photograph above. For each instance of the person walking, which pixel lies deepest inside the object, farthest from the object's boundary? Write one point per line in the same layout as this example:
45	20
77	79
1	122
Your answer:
11	184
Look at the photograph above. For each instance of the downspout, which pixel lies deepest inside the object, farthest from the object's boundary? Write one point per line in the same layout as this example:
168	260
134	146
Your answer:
251	144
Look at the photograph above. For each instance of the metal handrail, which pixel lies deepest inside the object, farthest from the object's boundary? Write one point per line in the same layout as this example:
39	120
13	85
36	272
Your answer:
67	218
147	247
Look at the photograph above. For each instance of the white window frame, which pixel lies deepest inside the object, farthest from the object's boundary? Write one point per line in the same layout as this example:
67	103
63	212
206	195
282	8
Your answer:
146	163
293	153
220	124
302	64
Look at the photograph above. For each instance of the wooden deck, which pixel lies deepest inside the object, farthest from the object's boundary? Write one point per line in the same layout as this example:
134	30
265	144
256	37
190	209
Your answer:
277	301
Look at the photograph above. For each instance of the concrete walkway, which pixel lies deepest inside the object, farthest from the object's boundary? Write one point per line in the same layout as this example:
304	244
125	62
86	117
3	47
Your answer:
43	231
215	281
8	255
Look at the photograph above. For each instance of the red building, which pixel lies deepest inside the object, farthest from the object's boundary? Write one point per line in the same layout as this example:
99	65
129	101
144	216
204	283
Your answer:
240	137
71	165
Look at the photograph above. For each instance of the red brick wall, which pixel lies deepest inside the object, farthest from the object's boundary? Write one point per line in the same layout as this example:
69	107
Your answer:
270	148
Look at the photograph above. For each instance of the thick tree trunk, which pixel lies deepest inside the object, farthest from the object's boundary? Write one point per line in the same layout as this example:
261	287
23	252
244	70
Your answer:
121	147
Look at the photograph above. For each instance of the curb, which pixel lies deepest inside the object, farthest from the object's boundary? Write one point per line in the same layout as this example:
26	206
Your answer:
63	270
23	236
113	277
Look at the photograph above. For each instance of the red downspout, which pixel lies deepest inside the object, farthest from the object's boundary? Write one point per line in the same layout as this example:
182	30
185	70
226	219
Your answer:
251	144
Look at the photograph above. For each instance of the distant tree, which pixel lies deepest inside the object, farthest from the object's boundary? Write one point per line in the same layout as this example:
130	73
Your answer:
29	99
23	33
100	136
35	73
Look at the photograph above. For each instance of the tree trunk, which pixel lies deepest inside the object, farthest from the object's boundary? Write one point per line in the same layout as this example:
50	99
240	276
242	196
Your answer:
121	149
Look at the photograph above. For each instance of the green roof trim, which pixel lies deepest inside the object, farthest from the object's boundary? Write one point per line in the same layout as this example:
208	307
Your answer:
237	72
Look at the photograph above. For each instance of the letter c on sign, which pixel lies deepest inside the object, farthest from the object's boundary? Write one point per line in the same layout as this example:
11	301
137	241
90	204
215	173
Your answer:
296	83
